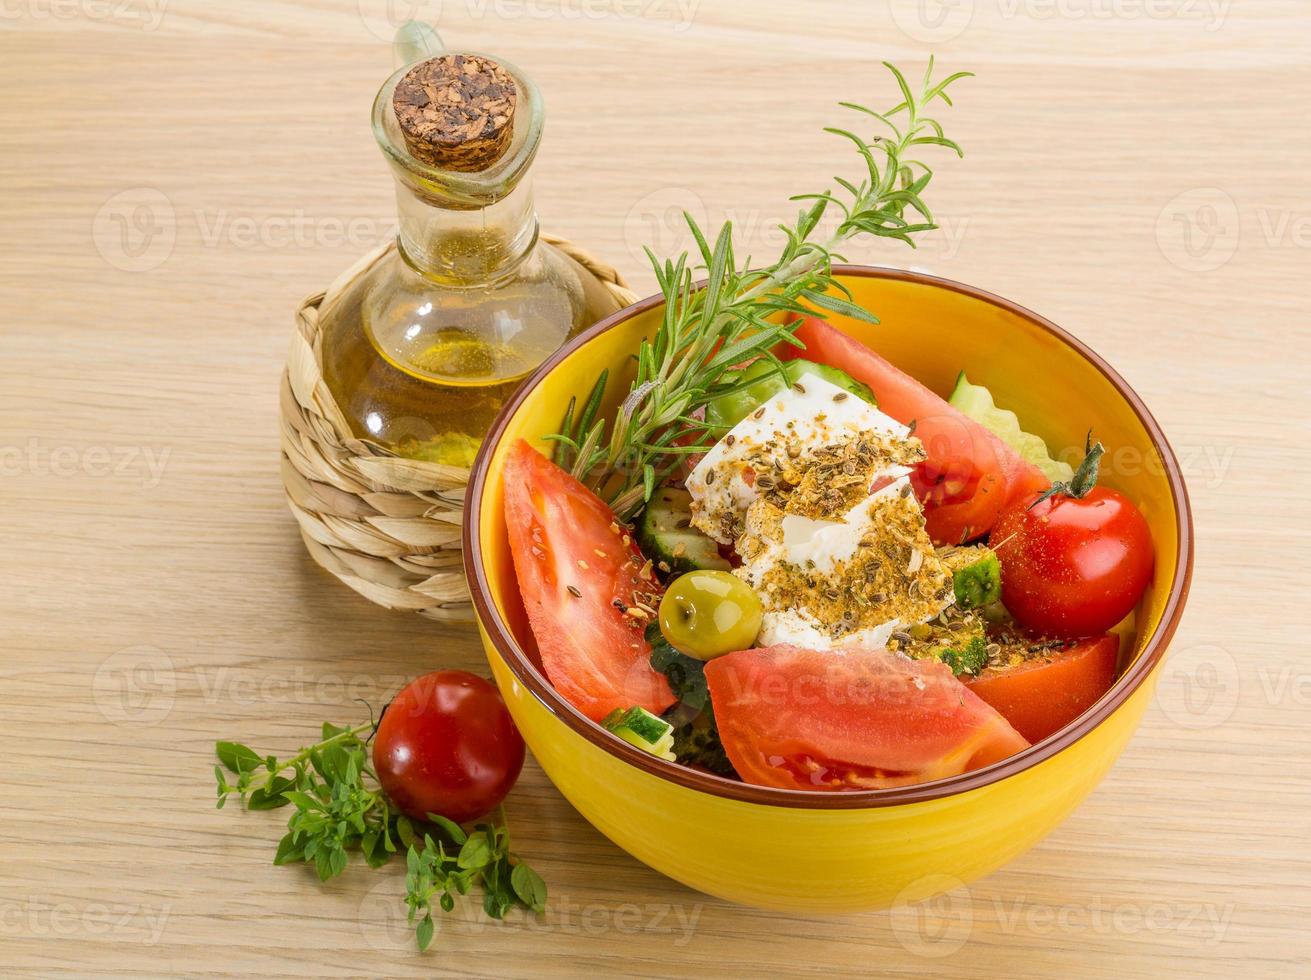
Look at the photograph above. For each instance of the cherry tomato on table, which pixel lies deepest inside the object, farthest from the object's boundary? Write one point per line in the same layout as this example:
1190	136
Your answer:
1077	562
447	745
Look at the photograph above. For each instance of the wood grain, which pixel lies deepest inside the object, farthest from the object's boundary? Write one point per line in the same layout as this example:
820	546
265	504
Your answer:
172	186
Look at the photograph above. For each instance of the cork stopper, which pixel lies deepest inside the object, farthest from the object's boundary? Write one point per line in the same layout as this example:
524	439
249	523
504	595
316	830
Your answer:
456	112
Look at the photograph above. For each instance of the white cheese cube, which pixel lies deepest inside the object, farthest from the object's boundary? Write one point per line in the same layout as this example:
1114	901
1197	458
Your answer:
814	415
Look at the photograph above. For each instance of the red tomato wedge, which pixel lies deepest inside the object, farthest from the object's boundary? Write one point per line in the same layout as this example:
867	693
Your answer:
573	567
970	473
859	718
1040	697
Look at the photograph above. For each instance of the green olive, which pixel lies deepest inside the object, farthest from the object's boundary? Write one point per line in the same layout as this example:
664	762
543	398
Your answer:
706	614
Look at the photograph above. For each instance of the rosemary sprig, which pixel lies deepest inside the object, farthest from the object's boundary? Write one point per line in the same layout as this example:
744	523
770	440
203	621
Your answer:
735	316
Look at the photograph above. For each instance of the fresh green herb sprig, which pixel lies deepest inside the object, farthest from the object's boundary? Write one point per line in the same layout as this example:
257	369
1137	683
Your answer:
735	316
338	807
334	810
484	855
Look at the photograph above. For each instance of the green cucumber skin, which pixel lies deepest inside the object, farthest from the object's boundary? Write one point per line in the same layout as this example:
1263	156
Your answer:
659	535
639	727
663	749
646	726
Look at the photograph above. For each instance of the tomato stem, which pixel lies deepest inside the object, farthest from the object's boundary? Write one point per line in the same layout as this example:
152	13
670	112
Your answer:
1084	479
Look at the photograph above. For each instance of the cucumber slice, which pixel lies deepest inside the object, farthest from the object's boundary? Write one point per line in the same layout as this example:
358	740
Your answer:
763	382
665	535
976	402
975	575
639	727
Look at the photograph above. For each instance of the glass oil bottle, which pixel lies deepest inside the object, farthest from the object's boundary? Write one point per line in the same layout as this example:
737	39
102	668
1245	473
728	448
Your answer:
422	349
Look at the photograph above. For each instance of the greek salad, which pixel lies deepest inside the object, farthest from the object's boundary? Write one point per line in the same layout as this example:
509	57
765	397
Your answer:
858	585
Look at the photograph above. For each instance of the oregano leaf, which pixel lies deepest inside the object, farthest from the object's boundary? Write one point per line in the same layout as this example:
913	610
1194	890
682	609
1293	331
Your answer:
423	934
476	851
237	758
529	887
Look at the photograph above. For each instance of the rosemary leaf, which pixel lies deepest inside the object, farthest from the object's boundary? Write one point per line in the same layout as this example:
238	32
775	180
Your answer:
734	316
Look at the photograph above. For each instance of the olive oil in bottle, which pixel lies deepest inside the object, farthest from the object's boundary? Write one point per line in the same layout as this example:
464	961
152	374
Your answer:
422	350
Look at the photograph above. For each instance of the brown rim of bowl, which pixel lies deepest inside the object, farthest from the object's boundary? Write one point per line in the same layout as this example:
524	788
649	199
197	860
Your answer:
706	782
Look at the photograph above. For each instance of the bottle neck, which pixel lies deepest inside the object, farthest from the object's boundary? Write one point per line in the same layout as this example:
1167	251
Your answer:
463	245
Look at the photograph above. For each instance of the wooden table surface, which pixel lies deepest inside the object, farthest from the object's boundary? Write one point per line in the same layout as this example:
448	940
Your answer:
178	175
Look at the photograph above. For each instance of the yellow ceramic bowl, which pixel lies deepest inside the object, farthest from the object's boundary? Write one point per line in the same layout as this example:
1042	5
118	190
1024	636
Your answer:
833	852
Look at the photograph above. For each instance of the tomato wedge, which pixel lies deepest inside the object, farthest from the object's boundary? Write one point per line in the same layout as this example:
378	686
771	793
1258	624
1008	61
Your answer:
858	718
970	474
1040	697
576	575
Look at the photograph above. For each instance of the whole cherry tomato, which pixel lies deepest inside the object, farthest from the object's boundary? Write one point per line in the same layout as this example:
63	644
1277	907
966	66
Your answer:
447	745
1076	562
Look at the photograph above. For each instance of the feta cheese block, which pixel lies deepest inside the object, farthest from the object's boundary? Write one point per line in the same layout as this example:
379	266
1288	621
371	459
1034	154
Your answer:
853	578
808	424
812	489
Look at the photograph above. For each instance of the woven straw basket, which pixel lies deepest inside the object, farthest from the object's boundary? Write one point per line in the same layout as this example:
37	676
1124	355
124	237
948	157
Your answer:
387	526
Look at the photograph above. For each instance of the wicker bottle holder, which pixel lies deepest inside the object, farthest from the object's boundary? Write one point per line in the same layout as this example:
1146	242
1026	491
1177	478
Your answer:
387	526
